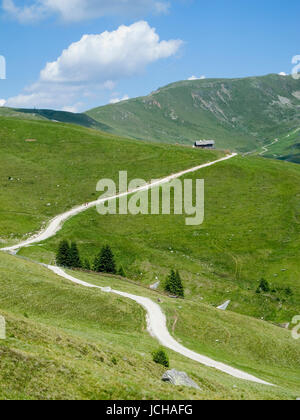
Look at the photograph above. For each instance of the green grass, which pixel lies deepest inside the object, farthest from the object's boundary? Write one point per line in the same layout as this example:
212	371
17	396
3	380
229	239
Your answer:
250	232
240	114
51	115
62	340
287	148
60	170
65	336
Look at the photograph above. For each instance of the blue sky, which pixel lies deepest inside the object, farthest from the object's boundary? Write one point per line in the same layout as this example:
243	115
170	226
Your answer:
219	38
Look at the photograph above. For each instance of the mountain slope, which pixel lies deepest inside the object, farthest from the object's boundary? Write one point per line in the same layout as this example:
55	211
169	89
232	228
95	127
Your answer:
54	116
250	232
241	114
60	168
68	342
286	147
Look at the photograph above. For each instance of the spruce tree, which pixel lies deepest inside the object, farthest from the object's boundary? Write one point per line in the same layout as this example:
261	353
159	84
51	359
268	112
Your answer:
170	283
174	284
74	256
179	285
63	254
105	261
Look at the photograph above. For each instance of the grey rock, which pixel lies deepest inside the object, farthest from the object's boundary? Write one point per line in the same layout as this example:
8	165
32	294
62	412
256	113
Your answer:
177	378
285	326
155	286
224	306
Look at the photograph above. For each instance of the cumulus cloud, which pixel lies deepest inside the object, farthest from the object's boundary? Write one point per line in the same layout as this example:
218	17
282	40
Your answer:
283	74
2	102
95	63
196	78
110	55
77	10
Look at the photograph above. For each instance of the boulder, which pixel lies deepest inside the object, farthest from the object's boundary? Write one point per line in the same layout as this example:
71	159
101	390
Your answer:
177	378
155	286
224	306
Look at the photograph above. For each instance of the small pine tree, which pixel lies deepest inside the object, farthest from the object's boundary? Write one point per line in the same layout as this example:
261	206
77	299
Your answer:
121	272
264	286
63	254
170	283
160	356
105	261
86	265
174	284
75	261
179	285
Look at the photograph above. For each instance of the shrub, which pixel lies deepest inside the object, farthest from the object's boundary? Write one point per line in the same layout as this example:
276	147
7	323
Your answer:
160	357
121	272
86	264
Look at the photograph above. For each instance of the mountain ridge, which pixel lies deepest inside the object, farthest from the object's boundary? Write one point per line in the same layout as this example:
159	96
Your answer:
242	114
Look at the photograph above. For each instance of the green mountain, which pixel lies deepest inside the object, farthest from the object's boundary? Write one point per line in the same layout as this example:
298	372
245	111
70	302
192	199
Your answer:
54	116
240	114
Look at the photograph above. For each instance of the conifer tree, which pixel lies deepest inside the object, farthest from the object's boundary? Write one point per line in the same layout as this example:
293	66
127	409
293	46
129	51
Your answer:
170	283
179	285
74	256
63	254
105	261
174	284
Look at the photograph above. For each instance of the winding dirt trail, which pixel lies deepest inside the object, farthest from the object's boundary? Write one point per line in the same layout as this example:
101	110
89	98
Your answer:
266	148
156	319
157	327
56	224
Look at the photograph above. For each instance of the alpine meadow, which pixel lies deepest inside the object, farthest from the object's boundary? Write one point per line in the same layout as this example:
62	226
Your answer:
149	236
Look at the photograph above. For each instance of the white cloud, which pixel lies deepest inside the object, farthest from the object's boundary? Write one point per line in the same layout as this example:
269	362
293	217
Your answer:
196	78
95	63
77	10
110	55
2	102
283	74
117	100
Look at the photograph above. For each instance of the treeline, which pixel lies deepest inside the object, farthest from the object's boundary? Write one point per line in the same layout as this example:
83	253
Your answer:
68	256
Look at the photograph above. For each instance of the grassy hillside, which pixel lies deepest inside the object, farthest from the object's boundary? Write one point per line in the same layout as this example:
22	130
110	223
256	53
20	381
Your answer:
64	336
68	342
61	167
251	231
55	116
240	114
286	147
